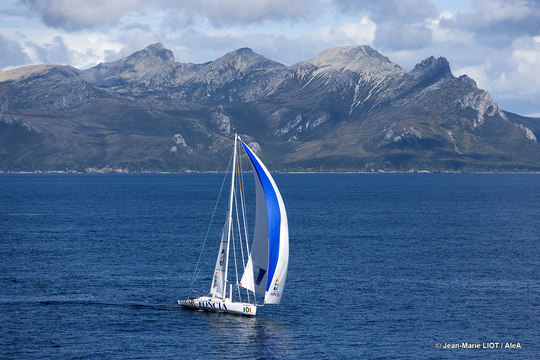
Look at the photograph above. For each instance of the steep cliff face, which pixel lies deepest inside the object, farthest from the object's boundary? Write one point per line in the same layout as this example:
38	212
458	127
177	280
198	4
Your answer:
346	109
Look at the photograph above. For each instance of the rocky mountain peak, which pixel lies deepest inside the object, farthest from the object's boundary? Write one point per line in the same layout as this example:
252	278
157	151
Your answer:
155	52
470	82
233	65
243	60
153	62
37	71
433	68
354	58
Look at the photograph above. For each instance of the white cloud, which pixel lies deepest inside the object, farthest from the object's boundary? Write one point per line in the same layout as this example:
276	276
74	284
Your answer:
522	77
80	49
498	11
220	12
13	53
528	60
397	36
499	22
348	33
381	11
442	34
75	15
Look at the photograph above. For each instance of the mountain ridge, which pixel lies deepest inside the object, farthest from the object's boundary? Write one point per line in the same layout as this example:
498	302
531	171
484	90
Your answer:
346	109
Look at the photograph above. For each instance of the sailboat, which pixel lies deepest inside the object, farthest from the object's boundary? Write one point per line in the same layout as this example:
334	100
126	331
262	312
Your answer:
265	270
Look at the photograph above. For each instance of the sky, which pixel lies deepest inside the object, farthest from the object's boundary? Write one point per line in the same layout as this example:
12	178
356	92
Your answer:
496	43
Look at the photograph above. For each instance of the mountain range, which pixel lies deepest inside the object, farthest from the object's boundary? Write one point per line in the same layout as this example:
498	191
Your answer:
346	109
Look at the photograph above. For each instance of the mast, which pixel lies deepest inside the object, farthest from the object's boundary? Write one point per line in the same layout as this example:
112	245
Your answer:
229	220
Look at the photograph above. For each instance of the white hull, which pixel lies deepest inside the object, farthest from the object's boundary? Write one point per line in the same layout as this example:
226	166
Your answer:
217	305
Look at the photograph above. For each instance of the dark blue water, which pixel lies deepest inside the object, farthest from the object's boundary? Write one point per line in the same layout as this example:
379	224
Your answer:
382	266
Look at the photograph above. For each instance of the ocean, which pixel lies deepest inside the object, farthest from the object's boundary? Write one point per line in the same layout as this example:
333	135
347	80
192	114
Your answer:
382	266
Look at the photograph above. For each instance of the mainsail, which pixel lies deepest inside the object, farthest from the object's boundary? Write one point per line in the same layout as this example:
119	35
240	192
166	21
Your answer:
218	280
266	270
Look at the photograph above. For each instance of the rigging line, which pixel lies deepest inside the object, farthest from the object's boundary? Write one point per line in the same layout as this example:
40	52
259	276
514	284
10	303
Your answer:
196	273
238	169
244	221
243	203
244	218
241	245
229	216
240	236
234	247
